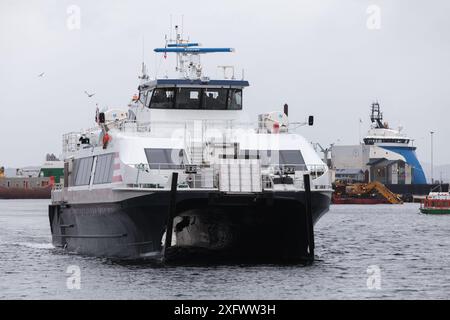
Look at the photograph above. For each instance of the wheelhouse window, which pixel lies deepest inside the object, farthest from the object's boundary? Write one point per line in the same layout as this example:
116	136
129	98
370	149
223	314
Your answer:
188	98
235	99
195	98
148	98
215	99
163	98
159	158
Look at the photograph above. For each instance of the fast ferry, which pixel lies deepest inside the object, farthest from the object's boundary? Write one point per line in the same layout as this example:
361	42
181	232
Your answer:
392	145
178	174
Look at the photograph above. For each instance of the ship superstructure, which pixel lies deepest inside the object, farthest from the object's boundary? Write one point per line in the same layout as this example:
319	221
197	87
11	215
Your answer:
392	145
385	155
179	170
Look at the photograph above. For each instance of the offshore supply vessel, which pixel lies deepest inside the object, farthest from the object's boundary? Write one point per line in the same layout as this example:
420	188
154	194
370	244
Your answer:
390	144
179	176
386	156
393	160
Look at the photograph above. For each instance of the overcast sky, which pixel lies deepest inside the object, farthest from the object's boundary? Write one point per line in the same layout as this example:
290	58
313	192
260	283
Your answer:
319	56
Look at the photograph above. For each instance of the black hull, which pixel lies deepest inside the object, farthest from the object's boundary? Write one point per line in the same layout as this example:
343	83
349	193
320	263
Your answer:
417	189
270	227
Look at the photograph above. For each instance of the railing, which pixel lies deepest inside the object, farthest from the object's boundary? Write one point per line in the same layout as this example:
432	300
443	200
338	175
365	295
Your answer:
71	141
188	178
276	169
190	131
207	176
190	125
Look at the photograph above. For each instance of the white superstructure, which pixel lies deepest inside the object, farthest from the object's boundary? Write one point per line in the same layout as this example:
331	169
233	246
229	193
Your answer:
190	125
179	170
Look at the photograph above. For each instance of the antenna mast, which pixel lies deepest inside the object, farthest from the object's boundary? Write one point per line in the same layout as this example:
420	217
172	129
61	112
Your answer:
144	76
188	55
377	115
170	28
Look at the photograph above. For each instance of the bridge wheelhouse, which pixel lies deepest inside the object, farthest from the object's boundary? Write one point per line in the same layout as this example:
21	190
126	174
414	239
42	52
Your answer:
175	94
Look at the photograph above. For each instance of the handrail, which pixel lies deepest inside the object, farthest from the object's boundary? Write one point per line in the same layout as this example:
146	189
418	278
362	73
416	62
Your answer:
276	168
192	131
193	179
145	126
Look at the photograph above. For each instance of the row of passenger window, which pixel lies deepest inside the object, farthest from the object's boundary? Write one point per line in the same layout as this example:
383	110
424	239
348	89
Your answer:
159	158
82	169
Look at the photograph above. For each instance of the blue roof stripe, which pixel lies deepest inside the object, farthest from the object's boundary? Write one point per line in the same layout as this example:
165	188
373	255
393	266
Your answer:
190	49
238	83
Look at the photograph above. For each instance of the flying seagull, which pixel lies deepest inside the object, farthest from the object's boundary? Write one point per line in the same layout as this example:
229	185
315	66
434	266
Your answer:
41	74
89	94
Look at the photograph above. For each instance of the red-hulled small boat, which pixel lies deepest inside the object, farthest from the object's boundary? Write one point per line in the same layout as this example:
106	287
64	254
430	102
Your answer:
436	203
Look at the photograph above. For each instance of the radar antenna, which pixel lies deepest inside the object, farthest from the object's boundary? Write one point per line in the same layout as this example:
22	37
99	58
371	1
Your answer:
188	55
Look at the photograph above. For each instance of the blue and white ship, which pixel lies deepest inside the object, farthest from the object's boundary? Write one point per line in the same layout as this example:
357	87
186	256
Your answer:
392	145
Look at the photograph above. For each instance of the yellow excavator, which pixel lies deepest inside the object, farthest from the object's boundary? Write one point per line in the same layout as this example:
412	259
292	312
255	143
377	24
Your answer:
365	188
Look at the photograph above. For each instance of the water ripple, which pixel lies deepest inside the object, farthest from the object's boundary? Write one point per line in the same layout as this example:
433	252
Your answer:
410	250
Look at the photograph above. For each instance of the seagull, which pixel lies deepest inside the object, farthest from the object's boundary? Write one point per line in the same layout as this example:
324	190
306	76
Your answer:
41	74
89	94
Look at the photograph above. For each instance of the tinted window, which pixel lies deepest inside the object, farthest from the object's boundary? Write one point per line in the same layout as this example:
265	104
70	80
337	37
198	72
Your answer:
187	98
235	99
215	99
104	168
195	98
82	171
274	157
165	158
291	157
148	98
163	98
